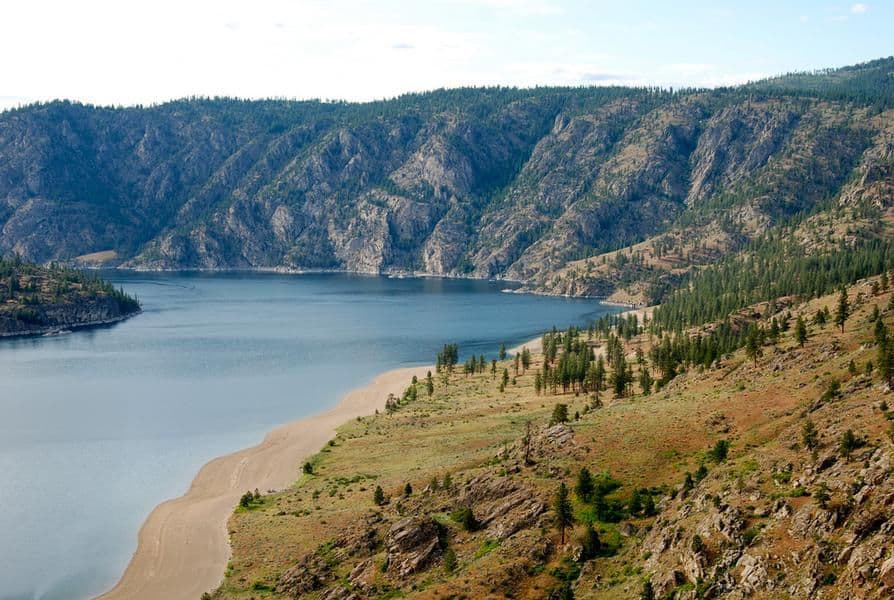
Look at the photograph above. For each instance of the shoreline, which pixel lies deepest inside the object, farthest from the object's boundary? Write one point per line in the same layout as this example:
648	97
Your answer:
396	274
183	545
68	327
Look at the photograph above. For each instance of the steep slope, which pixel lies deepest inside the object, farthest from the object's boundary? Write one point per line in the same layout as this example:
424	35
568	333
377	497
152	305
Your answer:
726	481
474	182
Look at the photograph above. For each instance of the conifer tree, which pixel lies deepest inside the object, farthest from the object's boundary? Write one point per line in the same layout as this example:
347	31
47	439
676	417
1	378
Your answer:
379	496
843	309
560	414
800	331
584	487
563	511
590	543
809	435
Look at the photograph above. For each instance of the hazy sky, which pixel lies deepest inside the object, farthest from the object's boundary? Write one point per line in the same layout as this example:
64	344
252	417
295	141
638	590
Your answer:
144	51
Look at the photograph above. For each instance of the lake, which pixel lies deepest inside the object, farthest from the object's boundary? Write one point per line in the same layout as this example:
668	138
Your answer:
97	427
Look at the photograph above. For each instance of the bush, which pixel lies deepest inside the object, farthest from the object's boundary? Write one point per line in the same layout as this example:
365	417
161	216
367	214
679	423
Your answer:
466	518
450	560
720	451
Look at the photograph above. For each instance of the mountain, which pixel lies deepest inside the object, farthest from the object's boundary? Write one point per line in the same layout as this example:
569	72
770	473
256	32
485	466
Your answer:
496	182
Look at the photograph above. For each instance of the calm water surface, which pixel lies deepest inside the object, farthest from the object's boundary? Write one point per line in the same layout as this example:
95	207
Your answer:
98	427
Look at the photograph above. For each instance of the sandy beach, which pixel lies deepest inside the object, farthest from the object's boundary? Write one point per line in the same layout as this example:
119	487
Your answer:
183	546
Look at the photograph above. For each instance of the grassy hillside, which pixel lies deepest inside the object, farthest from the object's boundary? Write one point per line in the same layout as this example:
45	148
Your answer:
735	475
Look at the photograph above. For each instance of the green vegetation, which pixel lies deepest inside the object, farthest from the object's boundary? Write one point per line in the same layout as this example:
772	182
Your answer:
34	297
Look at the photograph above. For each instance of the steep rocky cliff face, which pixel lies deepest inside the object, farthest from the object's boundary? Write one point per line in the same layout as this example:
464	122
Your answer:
485	182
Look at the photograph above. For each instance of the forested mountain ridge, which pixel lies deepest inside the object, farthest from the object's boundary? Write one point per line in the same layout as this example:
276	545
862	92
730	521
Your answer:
472	182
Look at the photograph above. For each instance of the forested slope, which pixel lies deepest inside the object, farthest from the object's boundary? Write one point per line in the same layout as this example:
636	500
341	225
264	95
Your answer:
475	182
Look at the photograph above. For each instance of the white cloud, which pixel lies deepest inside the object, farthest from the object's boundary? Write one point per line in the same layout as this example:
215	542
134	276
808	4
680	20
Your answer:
859	8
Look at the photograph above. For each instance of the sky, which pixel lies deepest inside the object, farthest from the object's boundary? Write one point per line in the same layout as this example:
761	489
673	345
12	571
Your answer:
124	52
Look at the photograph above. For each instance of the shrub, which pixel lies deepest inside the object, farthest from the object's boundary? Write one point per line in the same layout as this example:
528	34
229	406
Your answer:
466	518
449	560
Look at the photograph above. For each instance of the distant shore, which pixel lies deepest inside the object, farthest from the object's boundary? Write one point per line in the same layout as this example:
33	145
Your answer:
183	546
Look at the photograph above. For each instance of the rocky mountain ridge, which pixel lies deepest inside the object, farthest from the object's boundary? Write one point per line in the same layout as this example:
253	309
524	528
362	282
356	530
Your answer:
496	183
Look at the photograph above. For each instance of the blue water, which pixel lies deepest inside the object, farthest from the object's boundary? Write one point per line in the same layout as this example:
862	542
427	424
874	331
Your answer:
98	427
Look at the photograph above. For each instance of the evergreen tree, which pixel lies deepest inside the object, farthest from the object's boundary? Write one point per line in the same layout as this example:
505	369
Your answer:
563	511
502	351
590	543
379	496
584	487
645	381
800	331
753	348
848	444
809	435
526	359
720	451
560	414
843	309
649	509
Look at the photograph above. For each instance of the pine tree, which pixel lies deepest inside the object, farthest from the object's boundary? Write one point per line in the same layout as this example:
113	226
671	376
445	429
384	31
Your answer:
379	496
502	351
753	345
809	435
584	487
560	414
526	442
848	444
649	509
801	331
563	510
526	359
590	543
843	310
645	381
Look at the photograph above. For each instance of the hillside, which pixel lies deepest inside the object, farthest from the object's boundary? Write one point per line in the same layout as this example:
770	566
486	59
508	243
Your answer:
35	300
491	182
724	473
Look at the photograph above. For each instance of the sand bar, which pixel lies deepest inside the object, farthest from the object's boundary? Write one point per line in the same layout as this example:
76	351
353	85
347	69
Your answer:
183	546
